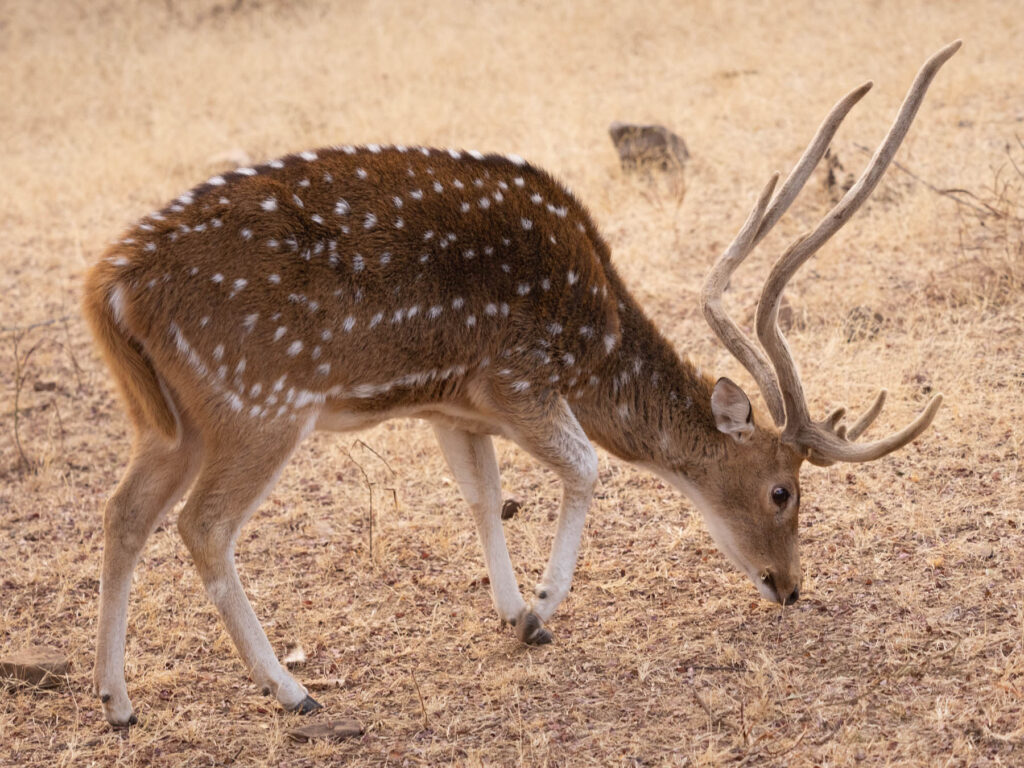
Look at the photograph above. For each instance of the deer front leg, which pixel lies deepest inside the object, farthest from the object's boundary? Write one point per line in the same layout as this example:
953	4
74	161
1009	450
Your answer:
563	445
545	426
472	461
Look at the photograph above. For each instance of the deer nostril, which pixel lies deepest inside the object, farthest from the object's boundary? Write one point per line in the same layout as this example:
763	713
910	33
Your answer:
793	597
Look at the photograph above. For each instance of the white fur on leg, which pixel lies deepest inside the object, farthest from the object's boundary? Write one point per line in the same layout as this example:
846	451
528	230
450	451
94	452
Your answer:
472	461
579	480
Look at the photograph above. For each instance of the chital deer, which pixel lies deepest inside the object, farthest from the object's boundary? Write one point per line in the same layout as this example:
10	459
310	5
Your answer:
337	288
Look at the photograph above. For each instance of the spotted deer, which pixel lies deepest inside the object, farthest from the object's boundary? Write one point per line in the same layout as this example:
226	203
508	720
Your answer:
336	288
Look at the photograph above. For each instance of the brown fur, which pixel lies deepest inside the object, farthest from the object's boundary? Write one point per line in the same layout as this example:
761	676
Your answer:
132	371
339	288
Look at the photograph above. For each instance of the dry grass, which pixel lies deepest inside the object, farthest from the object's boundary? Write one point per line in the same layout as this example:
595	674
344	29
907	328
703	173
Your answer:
908	647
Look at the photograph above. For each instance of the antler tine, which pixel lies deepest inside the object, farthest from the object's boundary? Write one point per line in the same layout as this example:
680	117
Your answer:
799	427
867	417
825	448
809	160
737	342
758	224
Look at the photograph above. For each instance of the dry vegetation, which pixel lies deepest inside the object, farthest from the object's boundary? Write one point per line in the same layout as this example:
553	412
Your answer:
907	648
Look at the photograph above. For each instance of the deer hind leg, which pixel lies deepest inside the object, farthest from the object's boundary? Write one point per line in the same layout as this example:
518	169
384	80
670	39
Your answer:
158	475
472	461
545	426
232	482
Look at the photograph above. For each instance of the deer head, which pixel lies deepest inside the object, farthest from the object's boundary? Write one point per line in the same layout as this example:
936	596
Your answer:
750	498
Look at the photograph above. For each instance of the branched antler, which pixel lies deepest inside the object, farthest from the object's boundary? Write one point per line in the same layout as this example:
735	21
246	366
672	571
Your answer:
774	369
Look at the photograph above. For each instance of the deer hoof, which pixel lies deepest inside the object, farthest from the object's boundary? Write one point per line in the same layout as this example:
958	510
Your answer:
531	631
308	705
118	710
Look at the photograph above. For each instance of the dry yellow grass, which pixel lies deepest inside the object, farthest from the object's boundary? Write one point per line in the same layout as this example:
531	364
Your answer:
907	648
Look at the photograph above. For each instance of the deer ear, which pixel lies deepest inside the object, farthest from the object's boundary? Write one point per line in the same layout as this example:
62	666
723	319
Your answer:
732	411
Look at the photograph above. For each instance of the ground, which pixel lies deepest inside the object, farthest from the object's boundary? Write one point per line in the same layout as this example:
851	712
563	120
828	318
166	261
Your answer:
906	647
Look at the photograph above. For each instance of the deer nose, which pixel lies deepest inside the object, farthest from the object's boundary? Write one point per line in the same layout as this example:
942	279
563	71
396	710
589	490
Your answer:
769	578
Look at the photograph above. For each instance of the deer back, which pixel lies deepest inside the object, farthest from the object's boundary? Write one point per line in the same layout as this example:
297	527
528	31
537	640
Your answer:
370	277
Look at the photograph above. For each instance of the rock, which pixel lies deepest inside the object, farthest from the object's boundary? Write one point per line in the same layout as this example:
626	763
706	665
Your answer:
509	509
295	658
332	729
648	147
37	665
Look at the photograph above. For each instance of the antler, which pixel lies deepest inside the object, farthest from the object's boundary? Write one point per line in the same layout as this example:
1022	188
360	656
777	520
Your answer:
827	441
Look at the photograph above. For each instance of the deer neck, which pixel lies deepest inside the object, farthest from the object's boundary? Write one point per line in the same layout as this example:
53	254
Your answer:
650	407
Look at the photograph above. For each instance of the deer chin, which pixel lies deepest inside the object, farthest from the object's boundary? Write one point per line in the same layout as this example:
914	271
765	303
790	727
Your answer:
716	526
726	544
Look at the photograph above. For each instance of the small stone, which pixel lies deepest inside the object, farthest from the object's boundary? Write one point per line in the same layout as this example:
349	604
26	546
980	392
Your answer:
39	665
332	729
648	147
509	509
296	657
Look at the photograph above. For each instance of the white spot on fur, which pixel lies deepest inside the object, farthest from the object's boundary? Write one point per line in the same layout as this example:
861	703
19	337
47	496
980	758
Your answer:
116	301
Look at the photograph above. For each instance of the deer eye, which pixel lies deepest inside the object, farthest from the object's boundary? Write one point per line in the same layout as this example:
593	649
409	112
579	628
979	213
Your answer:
780	495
